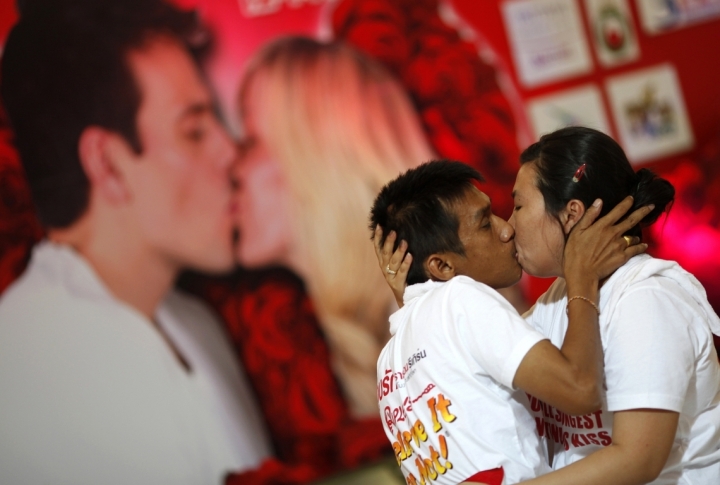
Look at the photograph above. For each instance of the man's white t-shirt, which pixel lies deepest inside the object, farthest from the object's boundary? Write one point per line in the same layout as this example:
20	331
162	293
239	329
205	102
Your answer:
445	385
656	328
90	393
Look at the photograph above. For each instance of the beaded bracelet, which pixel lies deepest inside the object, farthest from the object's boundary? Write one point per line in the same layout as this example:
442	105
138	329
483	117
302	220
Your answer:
567	306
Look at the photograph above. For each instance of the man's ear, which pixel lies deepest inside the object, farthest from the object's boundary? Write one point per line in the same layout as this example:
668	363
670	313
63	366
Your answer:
98	150
440	266
572	213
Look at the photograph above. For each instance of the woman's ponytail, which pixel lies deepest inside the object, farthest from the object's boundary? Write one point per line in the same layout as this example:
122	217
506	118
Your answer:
651	189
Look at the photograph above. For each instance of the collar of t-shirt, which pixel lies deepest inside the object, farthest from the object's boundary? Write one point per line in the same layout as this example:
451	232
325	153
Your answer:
642	267
72	269
76	273
412	292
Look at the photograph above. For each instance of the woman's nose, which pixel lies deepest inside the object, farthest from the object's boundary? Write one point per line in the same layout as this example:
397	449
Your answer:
511	221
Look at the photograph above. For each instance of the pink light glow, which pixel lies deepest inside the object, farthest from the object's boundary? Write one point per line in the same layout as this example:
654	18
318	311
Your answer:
690	234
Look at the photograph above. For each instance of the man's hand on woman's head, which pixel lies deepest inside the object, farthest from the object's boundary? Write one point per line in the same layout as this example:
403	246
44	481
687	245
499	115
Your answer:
393	264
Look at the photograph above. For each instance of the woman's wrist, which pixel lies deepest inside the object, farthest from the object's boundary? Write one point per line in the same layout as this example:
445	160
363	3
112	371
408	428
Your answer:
587	301
582	285
579	270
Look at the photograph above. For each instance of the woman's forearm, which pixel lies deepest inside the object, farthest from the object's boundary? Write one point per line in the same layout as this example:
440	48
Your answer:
569	378
582	346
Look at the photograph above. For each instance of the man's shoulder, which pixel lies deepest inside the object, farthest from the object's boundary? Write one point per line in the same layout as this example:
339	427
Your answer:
31	296
455	285
56	280
49	333
463	290
460	294
458	299
462	281
46	303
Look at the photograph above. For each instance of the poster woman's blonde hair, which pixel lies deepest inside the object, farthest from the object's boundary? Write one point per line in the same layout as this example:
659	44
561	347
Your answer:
340	126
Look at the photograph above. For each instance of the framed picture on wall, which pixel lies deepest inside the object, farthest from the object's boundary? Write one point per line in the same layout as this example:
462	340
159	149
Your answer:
547	40
661	15
612	30
649	113
580	106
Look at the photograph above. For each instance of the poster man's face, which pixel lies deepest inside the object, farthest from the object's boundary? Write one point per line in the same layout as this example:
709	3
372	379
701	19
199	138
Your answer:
180	183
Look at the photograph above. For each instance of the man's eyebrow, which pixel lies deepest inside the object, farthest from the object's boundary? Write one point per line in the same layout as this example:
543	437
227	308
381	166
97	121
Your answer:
482	212
196	109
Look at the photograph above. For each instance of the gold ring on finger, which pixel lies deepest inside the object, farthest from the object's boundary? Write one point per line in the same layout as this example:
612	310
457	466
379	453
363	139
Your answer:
389	271
628	240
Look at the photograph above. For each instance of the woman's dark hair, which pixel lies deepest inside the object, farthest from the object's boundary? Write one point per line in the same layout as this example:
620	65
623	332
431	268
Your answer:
608	174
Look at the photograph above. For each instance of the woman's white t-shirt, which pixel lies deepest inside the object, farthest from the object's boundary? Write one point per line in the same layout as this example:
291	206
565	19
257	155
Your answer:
656	328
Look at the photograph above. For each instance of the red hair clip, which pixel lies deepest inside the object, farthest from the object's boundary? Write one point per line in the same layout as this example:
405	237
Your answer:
579	173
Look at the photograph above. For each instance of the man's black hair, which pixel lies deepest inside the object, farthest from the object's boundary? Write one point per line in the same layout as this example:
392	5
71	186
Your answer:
419	206
64	68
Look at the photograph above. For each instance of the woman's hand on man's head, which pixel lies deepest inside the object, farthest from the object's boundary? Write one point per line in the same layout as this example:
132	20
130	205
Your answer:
597	248
393	264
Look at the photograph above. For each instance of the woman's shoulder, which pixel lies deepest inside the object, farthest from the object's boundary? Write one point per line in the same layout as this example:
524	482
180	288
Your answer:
655	282
647	272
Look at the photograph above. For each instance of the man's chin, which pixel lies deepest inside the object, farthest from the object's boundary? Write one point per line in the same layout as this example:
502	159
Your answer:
513	281
215	261
216	267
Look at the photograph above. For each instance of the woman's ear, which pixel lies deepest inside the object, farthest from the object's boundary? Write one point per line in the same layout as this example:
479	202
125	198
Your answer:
440	266
572	213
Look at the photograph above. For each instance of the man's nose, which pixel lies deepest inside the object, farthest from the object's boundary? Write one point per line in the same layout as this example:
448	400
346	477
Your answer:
507	231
